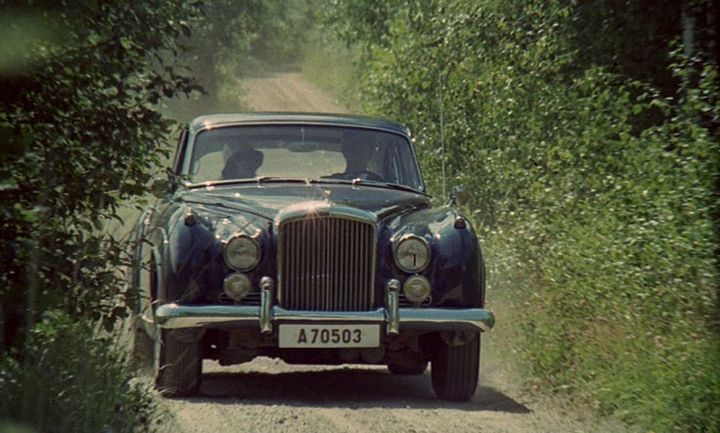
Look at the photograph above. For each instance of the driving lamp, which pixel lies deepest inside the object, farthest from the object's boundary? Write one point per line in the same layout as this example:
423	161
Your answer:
417	289
237	286
242	253
412	253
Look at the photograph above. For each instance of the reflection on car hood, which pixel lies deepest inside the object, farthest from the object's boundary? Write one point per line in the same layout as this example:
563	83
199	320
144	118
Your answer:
266	200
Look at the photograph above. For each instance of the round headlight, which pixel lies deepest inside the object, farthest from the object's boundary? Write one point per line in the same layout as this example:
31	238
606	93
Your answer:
237	285
412	253
417	289
242	253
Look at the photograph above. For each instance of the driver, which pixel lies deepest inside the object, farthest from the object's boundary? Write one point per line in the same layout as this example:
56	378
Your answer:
243	164
357	154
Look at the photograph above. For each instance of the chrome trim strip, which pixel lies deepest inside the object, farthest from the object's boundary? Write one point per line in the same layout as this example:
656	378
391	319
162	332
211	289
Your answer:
194	132
171	316
298	122
479	318
322	208
373	316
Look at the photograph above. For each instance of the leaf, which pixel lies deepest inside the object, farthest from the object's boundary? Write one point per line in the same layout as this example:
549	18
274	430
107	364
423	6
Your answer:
93	38
126	43
8	185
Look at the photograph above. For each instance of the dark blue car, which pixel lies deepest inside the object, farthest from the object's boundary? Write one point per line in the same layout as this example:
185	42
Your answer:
309	238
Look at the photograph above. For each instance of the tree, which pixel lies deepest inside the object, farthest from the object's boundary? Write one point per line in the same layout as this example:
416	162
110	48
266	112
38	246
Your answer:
80	131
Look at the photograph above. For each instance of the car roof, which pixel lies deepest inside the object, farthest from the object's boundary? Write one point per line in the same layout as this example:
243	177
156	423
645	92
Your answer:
216	120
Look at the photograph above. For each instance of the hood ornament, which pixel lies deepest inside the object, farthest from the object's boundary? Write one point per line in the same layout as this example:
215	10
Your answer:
326	193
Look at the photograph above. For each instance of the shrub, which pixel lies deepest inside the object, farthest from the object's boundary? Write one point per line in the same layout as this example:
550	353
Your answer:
73	379
595	195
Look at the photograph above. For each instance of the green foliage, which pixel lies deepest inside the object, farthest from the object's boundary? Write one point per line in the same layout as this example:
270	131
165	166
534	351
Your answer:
340	80
80	132
233	39
596	196
72	380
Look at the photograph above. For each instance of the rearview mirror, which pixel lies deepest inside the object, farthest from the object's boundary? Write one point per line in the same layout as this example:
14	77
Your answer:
458	195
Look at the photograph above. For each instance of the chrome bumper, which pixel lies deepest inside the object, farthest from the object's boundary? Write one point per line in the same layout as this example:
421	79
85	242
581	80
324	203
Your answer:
171	316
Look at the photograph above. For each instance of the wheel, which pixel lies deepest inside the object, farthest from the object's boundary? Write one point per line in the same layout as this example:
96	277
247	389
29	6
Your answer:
410	368
178	363
455	369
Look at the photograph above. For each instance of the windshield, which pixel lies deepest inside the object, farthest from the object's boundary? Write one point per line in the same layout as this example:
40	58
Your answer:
302	152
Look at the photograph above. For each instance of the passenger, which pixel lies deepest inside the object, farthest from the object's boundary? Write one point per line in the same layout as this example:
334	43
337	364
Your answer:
243	164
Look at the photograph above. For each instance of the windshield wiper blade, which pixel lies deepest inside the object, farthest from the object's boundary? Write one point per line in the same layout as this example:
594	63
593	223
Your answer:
266	179
367	182
258	179
402	187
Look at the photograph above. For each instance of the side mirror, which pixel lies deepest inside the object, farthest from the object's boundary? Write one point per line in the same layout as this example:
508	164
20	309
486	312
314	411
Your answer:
458	195
160	187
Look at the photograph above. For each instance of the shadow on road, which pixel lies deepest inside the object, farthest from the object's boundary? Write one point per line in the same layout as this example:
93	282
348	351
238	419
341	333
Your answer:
344	387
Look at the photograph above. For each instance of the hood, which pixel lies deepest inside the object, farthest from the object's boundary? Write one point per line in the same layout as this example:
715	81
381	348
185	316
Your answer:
267	200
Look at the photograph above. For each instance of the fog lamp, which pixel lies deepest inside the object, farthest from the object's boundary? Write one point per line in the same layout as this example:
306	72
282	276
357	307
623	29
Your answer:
417	289
237	286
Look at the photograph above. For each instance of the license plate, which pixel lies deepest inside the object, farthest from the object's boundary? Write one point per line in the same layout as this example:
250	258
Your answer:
329	336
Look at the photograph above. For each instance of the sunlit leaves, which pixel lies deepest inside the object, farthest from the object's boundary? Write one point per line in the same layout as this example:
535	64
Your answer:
595	195
88	135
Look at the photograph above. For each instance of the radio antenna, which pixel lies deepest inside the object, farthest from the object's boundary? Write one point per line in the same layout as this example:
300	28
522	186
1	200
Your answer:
442	134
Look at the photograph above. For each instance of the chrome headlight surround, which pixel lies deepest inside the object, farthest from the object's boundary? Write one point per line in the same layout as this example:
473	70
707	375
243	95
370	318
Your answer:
242	253
411	253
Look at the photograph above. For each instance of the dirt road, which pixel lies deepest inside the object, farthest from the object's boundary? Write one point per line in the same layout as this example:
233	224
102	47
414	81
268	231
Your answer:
271	396
286	92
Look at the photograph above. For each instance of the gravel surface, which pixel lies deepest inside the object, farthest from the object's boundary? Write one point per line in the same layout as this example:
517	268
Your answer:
268	395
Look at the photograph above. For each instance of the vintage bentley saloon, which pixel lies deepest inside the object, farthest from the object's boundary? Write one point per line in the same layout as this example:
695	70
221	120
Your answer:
309	238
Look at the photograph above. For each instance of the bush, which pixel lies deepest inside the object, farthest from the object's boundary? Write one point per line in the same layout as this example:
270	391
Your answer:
595	195
73	379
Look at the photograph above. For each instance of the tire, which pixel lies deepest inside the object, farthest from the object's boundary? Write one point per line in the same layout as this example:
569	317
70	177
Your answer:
411	368
178	363
455	369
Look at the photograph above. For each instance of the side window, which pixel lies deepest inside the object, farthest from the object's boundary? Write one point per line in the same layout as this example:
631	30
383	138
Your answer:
180	151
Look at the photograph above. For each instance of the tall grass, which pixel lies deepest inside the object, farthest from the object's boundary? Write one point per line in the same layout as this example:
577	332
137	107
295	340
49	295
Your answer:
73	379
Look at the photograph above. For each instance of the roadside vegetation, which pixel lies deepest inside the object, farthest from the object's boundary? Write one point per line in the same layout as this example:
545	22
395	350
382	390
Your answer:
587	135
80	132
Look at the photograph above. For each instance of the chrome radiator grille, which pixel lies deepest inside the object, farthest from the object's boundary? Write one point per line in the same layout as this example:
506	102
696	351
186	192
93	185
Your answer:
326	264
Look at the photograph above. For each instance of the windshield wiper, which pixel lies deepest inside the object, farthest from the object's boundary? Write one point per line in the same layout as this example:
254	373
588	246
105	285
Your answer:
258	180
367	182
271	179
402	187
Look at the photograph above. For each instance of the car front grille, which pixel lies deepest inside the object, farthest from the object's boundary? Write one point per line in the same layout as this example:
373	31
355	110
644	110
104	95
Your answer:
326	263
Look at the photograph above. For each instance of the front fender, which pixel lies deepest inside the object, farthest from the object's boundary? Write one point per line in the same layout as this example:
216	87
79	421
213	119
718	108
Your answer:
456	266
193	253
